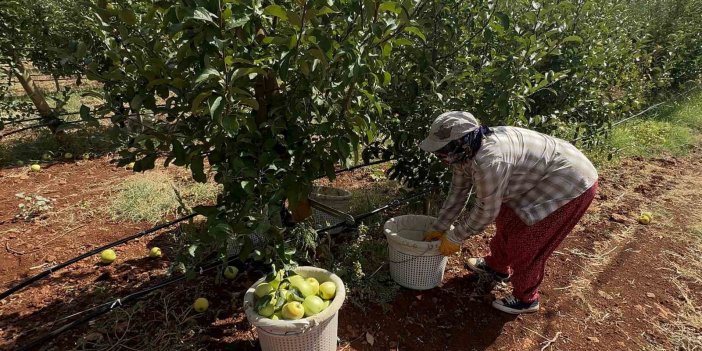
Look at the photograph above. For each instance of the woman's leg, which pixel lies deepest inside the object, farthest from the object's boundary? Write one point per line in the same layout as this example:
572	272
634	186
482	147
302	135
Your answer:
531	246
499	257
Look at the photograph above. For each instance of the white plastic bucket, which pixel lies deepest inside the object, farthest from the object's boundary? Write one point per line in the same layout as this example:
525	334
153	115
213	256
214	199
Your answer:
338	199
414	264
315	333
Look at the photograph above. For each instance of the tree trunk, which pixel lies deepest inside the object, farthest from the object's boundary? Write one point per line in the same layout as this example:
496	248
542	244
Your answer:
35	95
56	83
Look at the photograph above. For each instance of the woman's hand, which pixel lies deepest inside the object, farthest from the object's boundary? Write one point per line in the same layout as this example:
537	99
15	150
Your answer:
447	247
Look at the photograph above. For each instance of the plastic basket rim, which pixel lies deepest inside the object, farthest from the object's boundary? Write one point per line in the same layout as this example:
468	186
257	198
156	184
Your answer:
344	194
299	325
399	242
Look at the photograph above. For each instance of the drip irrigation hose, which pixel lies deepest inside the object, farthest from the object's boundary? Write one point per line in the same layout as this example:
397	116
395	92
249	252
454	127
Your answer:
60	266
109	306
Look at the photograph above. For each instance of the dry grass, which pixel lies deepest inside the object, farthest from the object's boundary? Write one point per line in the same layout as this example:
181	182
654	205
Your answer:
170	327
155	195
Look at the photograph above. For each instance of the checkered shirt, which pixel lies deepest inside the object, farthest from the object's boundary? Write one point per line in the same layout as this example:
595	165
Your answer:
533	173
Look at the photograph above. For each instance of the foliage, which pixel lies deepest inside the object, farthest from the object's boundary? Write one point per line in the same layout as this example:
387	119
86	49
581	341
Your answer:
268	95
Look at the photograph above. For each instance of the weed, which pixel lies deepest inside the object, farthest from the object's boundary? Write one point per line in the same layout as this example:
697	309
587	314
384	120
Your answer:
32	207
360	265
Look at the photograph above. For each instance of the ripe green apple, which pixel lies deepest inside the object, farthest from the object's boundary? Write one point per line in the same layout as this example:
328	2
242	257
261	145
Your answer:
46	156
155	252
293	310
327	290
36	168
267	310
313	305
314	284
108	256
263	289
230	272
201	304
68	155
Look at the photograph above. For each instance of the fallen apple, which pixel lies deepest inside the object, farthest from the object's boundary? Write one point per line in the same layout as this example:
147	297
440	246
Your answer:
230	272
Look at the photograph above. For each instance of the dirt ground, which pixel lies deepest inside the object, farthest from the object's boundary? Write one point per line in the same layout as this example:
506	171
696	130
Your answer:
613	284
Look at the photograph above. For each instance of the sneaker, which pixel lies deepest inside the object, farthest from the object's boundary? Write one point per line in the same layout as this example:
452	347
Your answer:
478	265
511	305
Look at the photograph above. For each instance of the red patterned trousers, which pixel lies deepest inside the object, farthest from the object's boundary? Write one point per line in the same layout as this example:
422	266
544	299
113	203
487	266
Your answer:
522	250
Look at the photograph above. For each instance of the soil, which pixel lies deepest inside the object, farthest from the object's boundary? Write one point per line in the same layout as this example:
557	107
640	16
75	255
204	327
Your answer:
604	287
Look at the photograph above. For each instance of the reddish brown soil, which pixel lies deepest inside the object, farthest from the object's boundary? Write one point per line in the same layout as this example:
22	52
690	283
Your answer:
604	288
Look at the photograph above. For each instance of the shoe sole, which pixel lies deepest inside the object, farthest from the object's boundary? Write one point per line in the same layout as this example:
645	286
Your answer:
477	270
505	309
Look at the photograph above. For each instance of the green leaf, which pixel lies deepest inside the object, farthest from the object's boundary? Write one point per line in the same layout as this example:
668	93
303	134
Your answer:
390	6
128	16
136	102
416	31
192	249
197	168
85	113
207	74
325	11
198	100
216	107
179	152
249	102
227	14
202	14
387	78
573	39
276	10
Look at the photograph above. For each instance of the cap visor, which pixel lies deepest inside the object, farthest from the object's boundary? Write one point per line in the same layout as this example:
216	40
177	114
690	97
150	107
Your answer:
429	145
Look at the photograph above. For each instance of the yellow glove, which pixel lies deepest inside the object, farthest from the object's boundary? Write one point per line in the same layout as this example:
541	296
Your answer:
447	247
433	235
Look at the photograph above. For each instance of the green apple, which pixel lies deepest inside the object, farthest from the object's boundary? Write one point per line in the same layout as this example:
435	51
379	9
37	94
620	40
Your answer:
295	279
86	156
230	272
68	155
327	290
130	165
314	284
108	256
293	310
313	305
267	310
326	304
201	304
304	287
155	252
36	168
263	289
276	316
46	156
20	163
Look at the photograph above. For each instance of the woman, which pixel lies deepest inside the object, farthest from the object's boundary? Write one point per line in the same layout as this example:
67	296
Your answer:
534	186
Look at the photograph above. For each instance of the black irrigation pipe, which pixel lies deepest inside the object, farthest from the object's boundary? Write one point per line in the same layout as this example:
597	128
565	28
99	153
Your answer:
60	266
353	168
109	306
